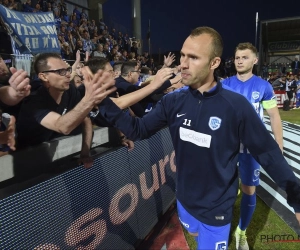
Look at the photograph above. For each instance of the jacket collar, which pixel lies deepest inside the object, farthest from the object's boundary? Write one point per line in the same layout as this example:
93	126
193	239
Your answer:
216	89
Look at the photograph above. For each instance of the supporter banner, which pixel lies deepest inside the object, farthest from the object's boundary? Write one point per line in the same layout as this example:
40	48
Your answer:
284	46
32	33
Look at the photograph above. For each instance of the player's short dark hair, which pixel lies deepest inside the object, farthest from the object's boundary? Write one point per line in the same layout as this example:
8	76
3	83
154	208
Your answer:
244	46
217	42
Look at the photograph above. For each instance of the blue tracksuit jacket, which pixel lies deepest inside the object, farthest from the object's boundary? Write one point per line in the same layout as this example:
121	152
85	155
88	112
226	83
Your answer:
206	131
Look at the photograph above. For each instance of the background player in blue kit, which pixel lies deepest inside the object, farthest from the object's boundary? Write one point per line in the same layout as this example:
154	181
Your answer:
261	95
207	122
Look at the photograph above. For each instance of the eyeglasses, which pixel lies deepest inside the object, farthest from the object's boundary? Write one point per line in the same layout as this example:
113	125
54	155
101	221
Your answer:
61	72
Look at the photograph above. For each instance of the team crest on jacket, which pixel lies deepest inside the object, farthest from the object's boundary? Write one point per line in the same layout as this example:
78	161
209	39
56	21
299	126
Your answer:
214	122
255	95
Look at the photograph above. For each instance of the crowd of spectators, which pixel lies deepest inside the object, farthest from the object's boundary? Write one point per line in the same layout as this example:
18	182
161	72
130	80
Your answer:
290	84
66	101
283	76
77	32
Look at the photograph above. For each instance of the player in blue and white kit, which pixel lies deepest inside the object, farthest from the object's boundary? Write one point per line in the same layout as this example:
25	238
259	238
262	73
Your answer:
207	122
261	95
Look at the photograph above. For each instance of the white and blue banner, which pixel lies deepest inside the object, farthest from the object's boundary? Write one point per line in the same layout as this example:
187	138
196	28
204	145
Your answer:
32	33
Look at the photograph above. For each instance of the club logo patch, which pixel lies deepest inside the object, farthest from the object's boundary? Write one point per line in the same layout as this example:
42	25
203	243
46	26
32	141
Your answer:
214	123
221	245
255	95
256	172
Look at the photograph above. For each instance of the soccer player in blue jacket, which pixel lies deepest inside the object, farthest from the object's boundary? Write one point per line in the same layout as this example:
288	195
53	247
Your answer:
261	95
207	122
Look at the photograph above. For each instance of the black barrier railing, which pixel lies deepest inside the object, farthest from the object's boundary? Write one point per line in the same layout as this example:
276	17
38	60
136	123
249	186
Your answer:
112	205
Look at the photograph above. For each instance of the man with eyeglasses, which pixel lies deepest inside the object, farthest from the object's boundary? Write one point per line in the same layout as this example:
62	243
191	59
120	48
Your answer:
57	109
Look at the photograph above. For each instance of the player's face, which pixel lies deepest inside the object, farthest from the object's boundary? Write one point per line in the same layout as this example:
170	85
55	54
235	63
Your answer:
195	60
244	61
